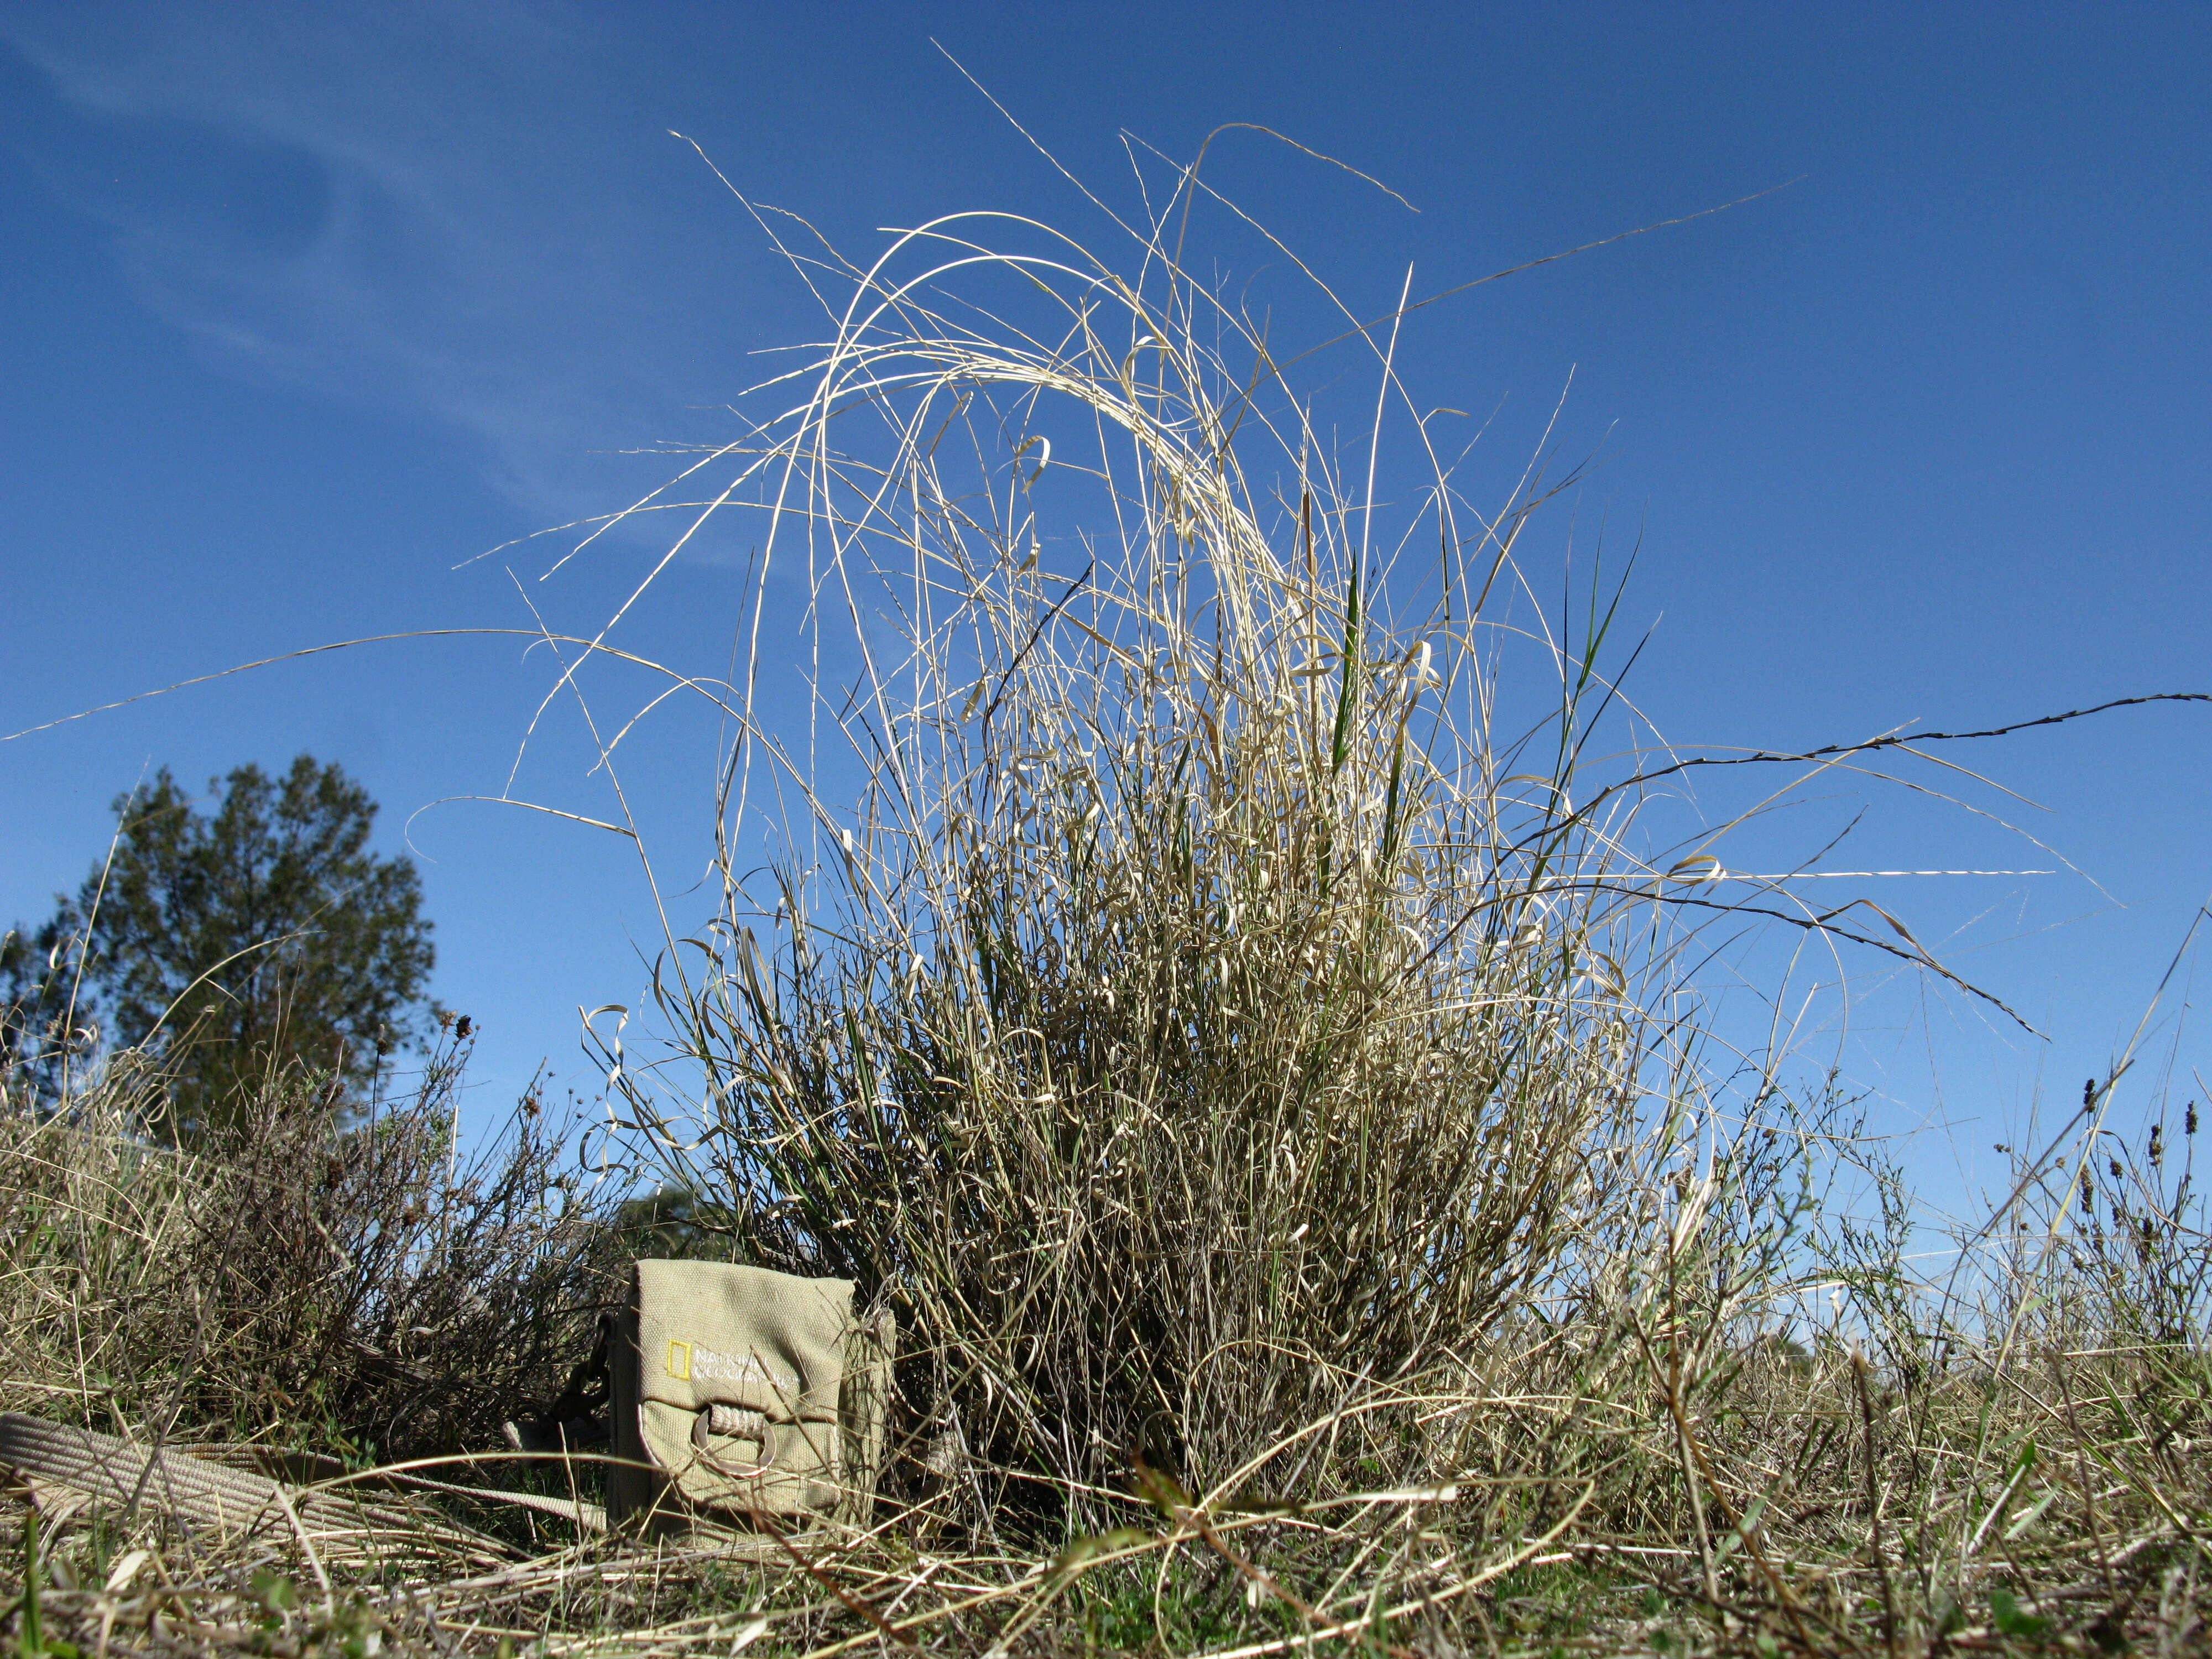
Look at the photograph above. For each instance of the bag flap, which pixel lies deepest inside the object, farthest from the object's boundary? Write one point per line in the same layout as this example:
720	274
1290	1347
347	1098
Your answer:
780	1469
713	1332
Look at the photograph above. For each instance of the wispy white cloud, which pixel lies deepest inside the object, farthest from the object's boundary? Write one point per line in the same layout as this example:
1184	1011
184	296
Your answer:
470	214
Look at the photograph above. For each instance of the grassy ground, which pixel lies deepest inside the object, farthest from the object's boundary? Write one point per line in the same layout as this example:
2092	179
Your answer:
1206	967
1637	1473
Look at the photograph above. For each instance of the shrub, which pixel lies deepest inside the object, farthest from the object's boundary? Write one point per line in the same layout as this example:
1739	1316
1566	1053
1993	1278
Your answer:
1200	1016
360	1290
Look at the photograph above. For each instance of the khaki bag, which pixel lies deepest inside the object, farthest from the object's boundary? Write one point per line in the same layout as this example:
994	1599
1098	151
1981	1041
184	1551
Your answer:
744	1399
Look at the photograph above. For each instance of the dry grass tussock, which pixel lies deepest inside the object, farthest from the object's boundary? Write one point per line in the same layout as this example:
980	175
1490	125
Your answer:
1243	1031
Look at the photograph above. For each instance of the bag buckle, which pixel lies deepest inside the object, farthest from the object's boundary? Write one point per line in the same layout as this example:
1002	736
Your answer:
734	1423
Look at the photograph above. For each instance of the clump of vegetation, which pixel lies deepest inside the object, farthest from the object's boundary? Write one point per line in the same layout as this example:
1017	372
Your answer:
1199	1020
293	1280
1246	1032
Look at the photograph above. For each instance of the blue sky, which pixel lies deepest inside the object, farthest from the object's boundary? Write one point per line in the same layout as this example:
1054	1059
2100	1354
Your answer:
303	307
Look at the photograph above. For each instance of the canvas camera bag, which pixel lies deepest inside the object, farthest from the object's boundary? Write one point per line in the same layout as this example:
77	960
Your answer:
744	1399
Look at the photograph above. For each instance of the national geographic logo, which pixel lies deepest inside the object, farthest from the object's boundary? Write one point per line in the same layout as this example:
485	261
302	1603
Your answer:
689	1362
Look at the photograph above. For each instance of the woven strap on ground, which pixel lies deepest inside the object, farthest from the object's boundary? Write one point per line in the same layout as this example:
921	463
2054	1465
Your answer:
116	1473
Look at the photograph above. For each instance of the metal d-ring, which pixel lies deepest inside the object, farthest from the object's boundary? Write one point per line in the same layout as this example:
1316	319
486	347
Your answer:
737	1423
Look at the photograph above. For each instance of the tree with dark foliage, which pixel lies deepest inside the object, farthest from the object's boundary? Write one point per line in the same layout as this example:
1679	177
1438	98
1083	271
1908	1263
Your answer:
38	1036
230	944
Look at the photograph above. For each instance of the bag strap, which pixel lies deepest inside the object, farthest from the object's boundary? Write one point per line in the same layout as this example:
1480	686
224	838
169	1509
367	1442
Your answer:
116	1472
